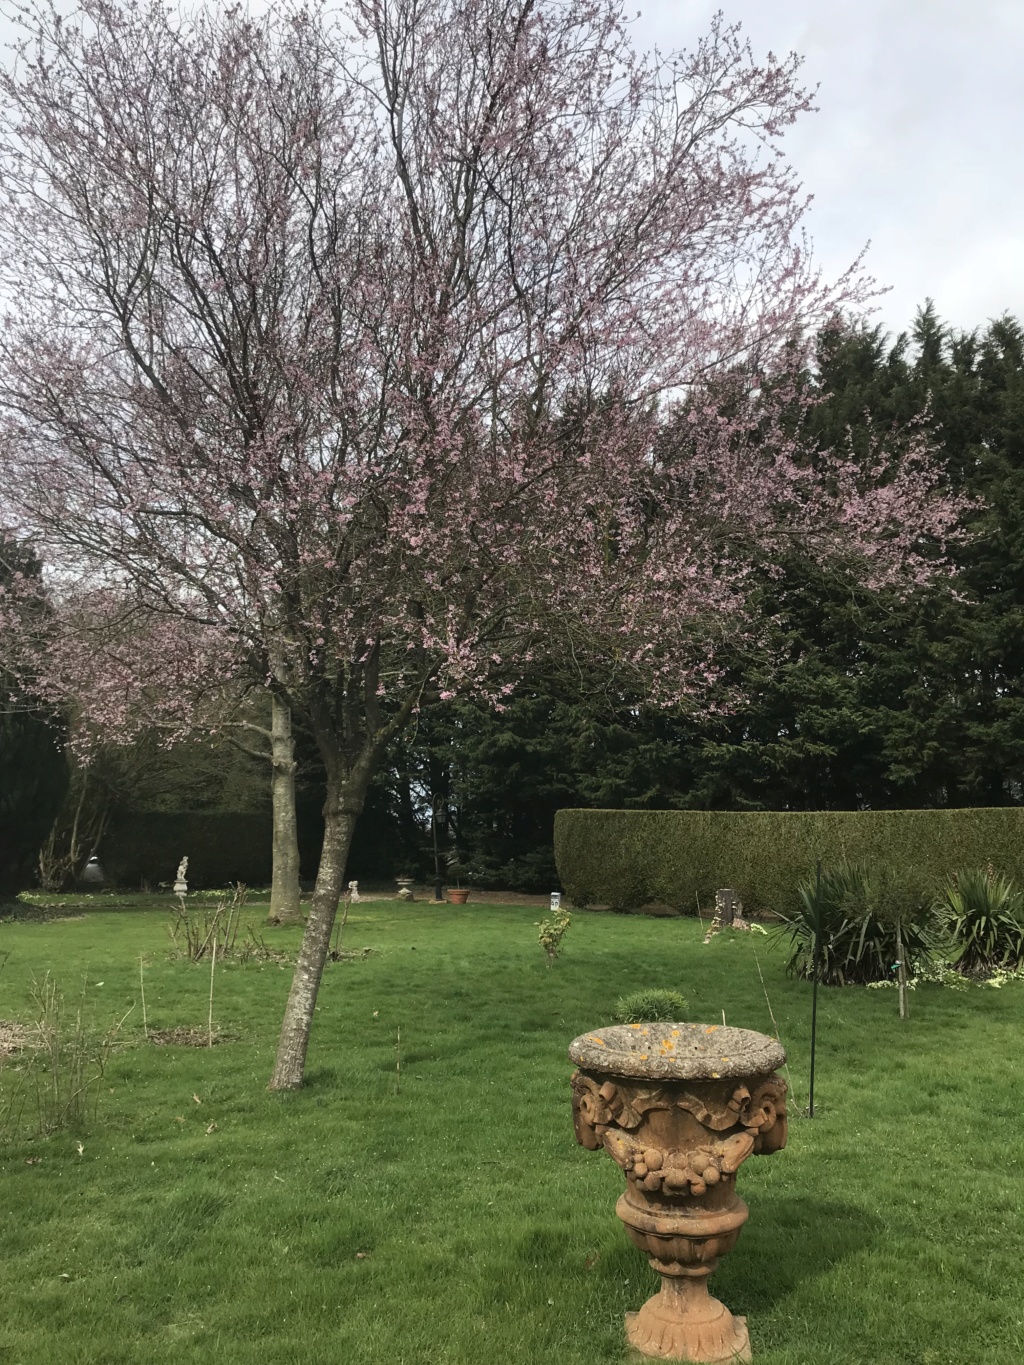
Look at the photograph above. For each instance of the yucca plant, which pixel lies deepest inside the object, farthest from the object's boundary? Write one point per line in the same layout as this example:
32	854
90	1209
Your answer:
982	912
858	910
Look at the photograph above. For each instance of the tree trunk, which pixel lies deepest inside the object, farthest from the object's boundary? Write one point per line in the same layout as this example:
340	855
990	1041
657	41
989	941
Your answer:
284	889
901	972
351	756
339	822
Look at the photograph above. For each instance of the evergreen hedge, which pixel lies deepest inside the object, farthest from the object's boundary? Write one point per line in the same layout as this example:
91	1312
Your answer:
668	859
221	848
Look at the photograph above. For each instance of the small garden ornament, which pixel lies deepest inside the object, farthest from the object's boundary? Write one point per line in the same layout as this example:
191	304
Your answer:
180	884
680	1107
92	872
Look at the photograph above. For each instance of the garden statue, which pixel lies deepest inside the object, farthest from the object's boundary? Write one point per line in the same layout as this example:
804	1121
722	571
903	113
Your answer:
92	872
680	1107
353	892
180	884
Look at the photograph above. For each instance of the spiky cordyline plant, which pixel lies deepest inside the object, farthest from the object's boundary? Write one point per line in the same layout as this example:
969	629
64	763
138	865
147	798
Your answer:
856	910
982	911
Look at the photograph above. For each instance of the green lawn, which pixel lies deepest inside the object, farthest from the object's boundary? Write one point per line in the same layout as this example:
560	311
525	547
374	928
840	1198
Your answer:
457	1222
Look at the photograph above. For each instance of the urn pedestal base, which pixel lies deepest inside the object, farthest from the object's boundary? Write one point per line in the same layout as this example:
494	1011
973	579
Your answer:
683	1322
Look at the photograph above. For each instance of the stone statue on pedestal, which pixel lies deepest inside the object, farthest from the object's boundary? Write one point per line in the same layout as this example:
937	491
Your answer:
180	884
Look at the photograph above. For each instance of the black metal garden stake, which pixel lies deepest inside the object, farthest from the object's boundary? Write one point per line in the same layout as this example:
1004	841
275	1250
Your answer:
438	879
814	988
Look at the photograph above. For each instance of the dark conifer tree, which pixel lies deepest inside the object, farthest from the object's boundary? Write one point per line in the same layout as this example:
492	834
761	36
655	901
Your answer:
849	699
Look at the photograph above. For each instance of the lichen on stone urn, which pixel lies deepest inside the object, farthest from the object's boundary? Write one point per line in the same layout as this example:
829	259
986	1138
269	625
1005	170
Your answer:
679	1108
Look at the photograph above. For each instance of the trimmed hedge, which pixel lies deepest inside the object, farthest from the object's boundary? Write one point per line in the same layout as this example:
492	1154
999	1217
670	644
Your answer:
639	859
221	848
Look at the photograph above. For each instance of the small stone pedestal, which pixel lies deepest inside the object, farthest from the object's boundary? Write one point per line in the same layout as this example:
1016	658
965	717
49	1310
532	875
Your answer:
679	1108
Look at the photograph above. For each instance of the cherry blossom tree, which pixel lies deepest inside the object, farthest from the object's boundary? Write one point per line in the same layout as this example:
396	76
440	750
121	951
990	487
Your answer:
345	342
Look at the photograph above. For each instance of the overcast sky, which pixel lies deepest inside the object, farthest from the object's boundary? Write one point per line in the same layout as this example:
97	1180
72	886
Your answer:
917	145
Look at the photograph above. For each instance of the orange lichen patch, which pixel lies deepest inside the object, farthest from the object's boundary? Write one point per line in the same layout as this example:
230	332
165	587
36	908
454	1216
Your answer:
645	1031
675	1033
643	1056
636	1026
711	1029
598	1040
715	1075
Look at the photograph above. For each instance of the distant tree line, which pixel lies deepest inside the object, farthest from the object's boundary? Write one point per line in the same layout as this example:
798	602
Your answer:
847	699
842	698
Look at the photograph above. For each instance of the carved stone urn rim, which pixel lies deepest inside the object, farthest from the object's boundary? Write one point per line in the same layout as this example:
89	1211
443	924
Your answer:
676	1051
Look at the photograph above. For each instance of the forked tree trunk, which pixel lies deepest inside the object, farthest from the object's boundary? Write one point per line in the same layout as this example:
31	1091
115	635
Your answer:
285	891
348	779
339	822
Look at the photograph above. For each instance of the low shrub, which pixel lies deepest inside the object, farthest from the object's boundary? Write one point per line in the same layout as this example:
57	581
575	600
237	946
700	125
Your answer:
55	1079
552	931
653	1006
861	914
982	912
199	926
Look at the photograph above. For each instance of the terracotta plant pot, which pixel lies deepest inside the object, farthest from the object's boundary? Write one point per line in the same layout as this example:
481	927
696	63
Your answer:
680	1107
458	895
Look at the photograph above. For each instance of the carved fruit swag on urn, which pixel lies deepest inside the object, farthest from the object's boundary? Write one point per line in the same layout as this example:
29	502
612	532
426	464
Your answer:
680	1107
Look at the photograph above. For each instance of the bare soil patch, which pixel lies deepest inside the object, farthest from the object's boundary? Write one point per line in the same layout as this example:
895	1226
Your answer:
15	1037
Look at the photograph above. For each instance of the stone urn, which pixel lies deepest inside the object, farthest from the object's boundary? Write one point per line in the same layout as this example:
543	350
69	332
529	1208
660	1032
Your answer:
680	1107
